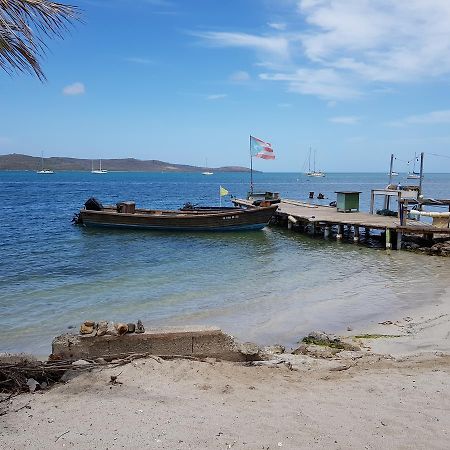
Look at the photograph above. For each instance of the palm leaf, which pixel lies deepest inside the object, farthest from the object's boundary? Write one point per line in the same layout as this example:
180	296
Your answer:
24	24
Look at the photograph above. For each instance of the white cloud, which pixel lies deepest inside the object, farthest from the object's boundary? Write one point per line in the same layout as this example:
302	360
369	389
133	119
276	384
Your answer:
345	120
324	83
216	96
239	76
277	26
274	45
384	40
76	88
430	118
345	48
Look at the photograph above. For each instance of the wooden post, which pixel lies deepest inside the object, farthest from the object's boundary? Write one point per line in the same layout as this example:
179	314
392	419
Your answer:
326	231
388	238
372	201
399	240
340	232
356	233
367	232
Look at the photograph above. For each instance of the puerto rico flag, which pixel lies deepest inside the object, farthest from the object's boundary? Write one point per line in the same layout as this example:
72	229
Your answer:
261	149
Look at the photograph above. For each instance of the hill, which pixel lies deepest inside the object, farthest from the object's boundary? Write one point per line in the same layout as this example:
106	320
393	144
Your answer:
17	161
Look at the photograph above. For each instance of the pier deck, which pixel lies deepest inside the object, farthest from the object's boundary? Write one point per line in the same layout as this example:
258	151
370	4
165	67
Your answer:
318	217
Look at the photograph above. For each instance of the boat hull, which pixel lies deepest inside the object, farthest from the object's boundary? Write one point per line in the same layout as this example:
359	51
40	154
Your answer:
235	220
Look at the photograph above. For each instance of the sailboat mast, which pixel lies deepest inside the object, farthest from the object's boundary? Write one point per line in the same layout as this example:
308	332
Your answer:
251	166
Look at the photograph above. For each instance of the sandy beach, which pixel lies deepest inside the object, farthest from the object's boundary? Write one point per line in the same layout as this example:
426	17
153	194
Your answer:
394	393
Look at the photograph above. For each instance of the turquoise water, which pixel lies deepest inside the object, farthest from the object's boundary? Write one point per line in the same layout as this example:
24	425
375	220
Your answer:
268	286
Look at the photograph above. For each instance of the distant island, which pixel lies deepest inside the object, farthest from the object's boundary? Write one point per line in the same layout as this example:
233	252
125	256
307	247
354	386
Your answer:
15	161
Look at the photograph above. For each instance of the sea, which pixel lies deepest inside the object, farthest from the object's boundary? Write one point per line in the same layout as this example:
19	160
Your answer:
270	286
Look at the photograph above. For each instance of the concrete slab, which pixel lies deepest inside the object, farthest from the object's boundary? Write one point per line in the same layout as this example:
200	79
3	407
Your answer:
168	341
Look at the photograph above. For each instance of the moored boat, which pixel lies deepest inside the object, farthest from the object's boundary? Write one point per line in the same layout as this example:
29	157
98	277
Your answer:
126	215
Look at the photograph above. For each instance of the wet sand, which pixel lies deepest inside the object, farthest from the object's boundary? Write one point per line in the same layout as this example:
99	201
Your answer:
395	393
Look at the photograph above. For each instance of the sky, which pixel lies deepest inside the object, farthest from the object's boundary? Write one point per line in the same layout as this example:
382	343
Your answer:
186	81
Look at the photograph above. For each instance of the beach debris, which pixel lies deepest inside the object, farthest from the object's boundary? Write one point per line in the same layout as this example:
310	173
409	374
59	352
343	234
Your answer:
386	322
113	379
121	328
139	327
102	328
131	327
340	368
61	435
321	345
32	384
87	327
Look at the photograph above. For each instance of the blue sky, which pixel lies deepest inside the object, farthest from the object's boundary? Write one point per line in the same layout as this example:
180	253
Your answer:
186	80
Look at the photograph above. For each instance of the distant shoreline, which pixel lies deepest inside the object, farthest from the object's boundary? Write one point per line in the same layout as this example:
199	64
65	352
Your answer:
21	162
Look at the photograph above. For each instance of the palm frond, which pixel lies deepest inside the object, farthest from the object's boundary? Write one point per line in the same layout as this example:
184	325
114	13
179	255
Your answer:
24	24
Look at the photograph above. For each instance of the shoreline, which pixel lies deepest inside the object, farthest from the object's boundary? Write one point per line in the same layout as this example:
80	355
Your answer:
390	394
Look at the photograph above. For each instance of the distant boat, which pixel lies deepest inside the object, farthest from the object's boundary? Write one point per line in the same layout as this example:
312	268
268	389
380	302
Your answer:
413	175
313	172
207	172
98	171
394	174
44	171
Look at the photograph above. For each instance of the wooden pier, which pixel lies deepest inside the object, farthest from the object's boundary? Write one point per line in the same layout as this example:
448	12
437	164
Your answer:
326	220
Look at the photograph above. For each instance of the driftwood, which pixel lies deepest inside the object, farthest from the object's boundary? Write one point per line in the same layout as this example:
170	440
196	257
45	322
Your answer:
15	375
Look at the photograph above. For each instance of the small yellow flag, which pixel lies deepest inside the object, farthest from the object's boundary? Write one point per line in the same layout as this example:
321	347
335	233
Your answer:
223	191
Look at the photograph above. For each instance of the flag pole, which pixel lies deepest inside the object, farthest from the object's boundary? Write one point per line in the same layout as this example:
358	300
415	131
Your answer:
251	166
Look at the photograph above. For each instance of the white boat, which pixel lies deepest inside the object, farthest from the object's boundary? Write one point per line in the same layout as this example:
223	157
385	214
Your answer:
414	175
394	174
44	171
313	172
98	171
207	172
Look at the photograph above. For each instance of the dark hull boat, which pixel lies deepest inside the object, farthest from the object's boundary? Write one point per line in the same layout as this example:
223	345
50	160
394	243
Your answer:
125	215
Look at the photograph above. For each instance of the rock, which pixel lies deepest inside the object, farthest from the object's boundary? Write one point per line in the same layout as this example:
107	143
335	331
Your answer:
248	348
89	323
86	329
139	327
302	349
321	339
112	331
102	328
121	328
32	384
274	349
80	362
131	327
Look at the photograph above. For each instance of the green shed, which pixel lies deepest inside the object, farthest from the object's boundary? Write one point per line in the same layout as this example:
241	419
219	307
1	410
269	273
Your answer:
347	201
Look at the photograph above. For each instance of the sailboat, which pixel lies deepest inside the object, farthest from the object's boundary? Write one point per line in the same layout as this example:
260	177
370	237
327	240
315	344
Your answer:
207	172
44	171
314	172
99	170
414	175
